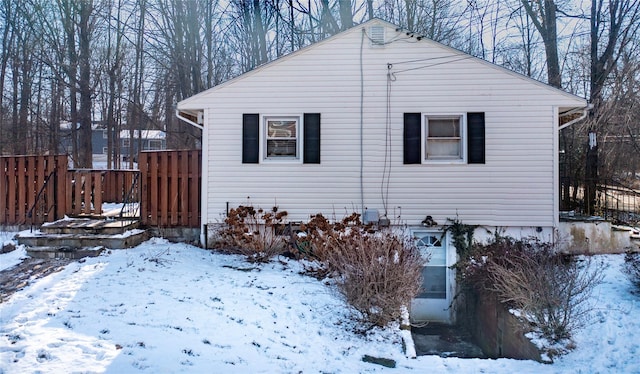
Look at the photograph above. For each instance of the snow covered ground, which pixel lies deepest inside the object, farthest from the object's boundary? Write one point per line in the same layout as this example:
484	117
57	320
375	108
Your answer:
167	308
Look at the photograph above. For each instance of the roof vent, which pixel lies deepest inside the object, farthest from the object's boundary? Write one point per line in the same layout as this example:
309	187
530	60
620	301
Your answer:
376	35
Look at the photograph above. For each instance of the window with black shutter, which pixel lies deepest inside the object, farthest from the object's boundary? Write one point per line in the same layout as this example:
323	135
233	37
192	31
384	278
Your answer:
444	138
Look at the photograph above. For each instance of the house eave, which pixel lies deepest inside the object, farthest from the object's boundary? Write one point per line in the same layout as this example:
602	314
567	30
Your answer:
191	117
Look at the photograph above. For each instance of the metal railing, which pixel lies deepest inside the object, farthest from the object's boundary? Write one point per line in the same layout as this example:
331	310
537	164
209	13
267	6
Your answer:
130	207
618	202
39	195
615	201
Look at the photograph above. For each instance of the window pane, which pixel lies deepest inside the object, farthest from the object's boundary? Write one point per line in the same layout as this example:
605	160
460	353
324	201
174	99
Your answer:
443	148
428	241
155	144
281	129
281	148
434	282
444	138
437	256
444	127
281	137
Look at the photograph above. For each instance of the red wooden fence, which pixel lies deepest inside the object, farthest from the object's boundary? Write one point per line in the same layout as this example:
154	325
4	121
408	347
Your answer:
167	189
23	191
170	183
87	189
117	186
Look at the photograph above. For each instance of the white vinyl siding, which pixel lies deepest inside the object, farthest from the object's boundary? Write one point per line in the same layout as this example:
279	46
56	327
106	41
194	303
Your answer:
515	186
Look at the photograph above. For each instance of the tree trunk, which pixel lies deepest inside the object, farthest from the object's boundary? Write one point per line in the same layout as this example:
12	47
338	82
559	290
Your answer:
7	43
346	14
261	41
85	148
68	20
544	18
25	100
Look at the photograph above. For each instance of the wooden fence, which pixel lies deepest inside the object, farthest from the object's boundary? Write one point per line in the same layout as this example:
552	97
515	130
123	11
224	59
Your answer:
170	183
30	189
38	189
87	189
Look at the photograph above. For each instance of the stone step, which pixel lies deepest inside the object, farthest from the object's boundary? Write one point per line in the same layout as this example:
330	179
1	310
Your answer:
63	252
128	239
89	226
621	228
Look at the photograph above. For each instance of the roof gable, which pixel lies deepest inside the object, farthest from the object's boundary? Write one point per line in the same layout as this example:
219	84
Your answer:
194	102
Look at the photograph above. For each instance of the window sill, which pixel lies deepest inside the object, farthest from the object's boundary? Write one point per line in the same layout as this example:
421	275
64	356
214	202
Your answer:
283	160
444	162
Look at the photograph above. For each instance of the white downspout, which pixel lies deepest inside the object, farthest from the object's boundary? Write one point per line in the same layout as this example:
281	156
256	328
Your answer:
188	121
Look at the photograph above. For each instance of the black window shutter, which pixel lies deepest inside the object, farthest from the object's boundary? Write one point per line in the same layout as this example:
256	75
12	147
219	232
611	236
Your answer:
250	138
475	138
412	139
311	143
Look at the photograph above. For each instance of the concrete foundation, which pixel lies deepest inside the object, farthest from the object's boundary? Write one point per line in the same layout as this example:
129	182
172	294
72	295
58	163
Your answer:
594	237
496	331
190	235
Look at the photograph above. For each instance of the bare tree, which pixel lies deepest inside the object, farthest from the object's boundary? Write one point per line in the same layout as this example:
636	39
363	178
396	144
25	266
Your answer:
543	14
8	11
617	23
435	19
84	9
114	56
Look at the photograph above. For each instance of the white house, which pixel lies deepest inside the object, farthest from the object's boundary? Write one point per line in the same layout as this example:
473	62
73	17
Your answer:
379	121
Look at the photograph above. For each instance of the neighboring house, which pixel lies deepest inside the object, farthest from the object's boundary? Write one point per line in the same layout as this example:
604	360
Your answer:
145	140
98	138
394	126
150	140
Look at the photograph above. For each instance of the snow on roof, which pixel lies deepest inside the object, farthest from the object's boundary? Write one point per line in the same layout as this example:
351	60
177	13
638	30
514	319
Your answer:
66	125
146	134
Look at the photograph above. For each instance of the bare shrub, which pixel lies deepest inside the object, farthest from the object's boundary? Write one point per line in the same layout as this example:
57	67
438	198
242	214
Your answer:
378	274
632	268
550	290
318	232
254	233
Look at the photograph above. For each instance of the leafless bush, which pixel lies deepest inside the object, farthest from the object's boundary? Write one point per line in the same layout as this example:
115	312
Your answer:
378	273
632	268
318	232
254	233
550	290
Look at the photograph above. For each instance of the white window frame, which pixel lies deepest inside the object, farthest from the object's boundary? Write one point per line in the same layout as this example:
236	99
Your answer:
104	134
126	143
463	138
265	138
